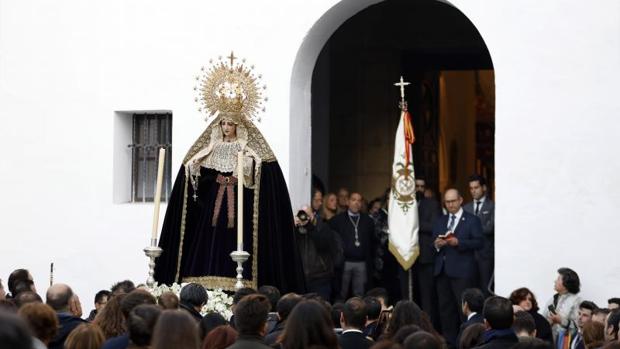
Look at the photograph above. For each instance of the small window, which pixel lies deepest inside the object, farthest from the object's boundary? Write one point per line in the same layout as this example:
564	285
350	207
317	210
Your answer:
150	131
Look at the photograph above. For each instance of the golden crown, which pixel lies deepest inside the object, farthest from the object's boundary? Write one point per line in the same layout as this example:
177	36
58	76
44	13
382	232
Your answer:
230	87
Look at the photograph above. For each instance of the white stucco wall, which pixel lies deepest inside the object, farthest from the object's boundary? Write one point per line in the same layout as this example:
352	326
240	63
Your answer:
66	67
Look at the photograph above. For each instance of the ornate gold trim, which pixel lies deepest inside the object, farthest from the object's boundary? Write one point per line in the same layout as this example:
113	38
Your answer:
182	229
405	263
213	282
255	218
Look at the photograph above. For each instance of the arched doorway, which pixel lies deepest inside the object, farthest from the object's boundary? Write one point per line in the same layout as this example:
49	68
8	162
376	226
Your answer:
344	105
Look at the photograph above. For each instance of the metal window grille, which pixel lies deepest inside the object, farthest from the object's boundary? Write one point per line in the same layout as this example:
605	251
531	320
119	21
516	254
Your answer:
150	132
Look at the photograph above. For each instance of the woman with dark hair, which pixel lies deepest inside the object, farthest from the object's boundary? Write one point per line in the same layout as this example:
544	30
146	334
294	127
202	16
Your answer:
209	322
220	337
175	329
593	334
309	324
409	313
42	321
20	280
562	309
525	299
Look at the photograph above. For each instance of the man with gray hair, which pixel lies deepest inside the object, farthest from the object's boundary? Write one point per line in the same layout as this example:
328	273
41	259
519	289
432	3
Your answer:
68	310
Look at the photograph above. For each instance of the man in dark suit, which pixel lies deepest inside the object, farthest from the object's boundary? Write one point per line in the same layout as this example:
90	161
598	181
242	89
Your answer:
484	208
428	212
498	319
353	319
356	231
472	302
457	236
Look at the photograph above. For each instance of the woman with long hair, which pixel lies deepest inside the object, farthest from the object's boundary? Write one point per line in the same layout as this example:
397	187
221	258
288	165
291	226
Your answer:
175	329
309	324
110	319
408	313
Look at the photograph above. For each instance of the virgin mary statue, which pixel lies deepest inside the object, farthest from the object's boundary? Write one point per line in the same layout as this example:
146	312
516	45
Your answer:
200	225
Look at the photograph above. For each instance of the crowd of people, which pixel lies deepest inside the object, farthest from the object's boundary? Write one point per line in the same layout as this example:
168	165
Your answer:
127	316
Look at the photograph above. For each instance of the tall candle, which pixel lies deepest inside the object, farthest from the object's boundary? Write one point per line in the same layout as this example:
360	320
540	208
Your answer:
157	200
240	201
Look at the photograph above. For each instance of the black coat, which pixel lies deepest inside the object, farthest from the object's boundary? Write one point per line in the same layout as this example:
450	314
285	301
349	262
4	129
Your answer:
428	212
503	341
249	342
354	340
67	323
342	225
476	319
459	261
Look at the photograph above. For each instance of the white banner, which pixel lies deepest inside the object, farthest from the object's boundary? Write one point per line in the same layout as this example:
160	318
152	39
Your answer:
403	208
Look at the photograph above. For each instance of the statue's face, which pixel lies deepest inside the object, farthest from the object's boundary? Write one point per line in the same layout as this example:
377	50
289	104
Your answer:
229	129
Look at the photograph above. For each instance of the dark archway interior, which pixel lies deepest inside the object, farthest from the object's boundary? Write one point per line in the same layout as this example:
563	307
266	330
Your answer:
355	103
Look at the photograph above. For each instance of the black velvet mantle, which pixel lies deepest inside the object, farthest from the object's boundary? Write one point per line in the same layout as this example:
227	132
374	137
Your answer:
205	250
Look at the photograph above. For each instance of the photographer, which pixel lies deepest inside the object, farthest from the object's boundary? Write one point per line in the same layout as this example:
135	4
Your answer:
320	249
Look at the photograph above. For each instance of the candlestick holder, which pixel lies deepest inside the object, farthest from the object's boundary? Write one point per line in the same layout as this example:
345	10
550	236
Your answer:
152	252
240	257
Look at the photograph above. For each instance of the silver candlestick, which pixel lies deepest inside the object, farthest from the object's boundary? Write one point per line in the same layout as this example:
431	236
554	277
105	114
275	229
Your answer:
240	257
152	252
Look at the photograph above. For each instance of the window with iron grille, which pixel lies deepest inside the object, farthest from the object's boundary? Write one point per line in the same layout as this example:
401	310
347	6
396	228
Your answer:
150	131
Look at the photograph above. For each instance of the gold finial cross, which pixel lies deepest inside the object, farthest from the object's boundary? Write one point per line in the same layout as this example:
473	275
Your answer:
232	58
402	85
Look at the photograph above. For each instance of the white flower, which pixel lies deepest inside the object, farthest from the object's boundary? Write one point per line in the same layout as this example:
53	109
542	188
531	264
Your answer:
218	300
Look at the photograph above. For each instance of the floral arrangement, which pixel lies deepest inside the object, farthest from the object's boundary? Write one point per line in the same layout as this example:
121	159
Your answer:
218	300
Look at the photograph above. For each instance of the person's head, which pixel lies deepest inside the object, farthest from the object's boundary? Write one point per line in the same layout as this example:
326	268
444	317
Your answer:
593	334
18	279
14	332
85	336
472	301
354	314
453	200
420	185
373	308
532	343
168	300
27	297
612	323
272	293
374	206
336	313
286	304
404	332
141	322
567	281
8	306
408	313
600	314
586	308
524	298
251	315
242	292
524	324
58	297
220	337
498	313
41	319
101	299
381	295
355	202
472	336
193	295
175	329
613	303
343	197
124	287
135	298
317	200
111	319
209	322
308	325
477	187
422	340
330	202
229	128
